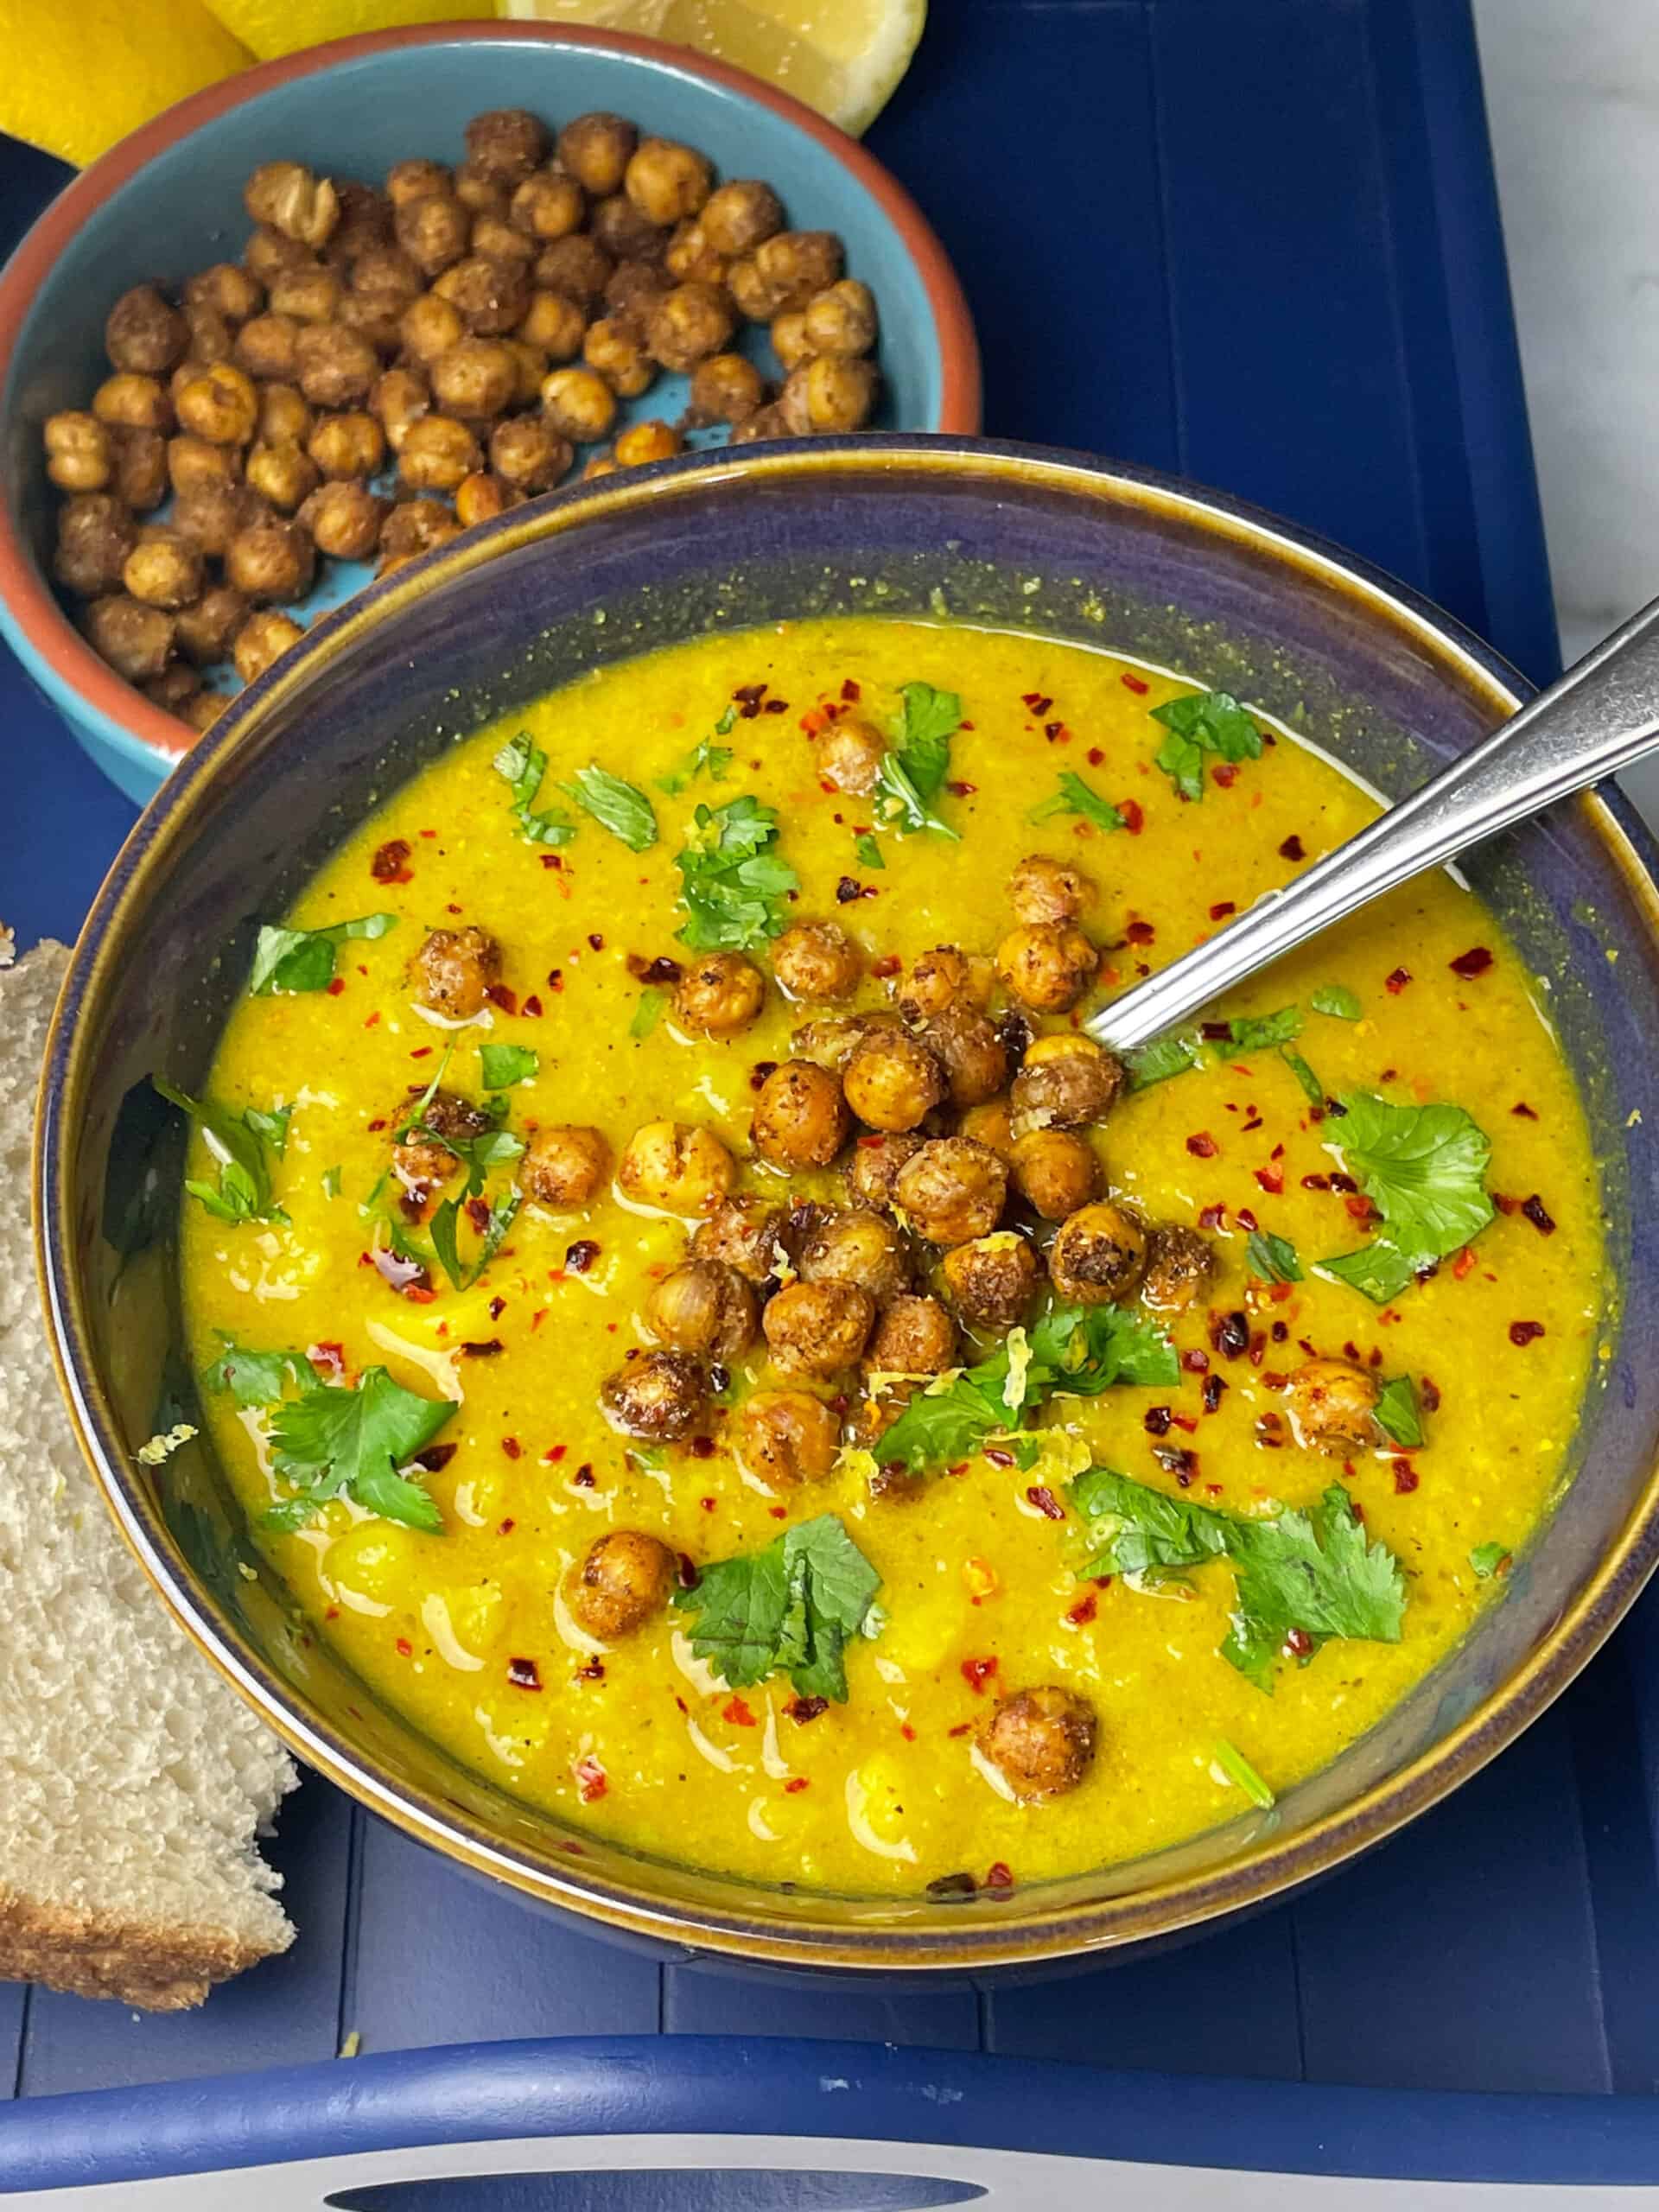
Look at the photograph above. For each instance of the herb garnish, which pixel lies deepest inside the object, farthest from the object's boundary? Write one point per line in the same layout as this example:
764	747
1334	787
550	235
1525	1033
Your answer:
1242	1776
1489	1559
733	884
1074	797
792	1608
1423	1168
237	1141
617	805
445	1225
867	851
523	764
1312	1088
648	1012
1273	1258
1205	722
715	759
1261	1032
1164	1057
1338	1000
502	1066
912	775
1316	1573
303	960
1396	1412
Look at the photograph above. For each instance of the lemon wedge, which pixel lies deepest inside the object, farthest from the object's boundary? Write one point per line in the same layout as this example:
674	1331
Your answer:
269	28
842	57
75	88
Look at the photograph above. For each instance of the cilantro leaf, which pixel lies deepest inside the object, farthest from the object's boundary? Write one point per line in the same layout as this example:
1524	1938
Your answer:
237	1142
1259	1032
1396	1411
446	1243
330	1440
867	851
792	1608
704	757
1379	1270
271	1128
303	960
330	1181
1273	1258
479	1155
1202	721
1338	1000
649	1011
254	1378
1242	1776
1423	1168
901	804
1087	1349
1317	1573
1164	1057
1489	1559
938	1427
522	765
1074	797
733	885
912	775
1312	1088
621	807
502	1066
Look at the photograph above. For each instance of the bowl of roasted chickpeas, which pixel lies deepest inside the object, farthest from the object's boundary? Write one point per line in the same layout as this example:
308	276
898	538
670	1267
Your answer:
322	319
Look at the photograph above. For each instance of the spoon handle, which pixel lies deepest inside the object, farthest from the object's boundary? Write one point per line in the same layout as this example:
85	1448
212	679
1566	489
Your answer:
1596	719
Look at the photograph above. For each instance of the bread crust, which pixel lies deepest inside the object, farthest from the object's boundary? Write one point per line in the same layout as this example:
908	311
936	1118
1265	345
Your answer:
91	1952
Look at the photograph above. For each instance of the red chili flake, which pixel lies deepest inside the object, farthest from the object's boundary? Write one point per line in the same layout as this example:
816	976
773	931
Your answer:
336	987
1405	1478
1298	1642
1134	814
1229	1334
1361	1209
405	1648
511	1446
435	1456
581	1255
1396	982
1525	1111
1226	775
549	860
748	698
686	1570
737	1712
1133	684
1213	1386
1196	1361
1041	1496
978	1672
1202	1145
701	1447
1085	1611
1212	1216
329	1357
387	866
1316	1182
1292	849
404	1276
1221	908
888	965
584	1478
478	1214
776	707
1175	1460
1155	1420
1343	1183
591	1779
1462	1265
523	1674
1140	934
1525	1332
850	692
486	1349
1095	756
1538	1215
555	979
1471	964
957	789
803	1709
795	1783
847	890
1272	1180
997	1457
592	1672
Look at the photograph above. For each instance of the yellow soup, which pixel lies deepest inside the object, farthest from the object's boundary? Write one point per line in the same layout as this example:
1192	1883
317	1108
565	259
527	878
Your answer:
1309	1491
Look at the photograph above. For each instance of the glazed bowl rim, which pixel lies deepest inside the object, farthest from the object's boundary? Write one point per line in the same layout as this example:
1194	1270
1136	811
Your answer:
26	593
1264	1870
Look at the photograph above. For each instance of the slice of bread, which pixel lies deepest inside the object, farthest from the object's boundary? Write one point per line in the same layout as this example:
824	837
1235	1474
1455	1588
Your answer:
133	1781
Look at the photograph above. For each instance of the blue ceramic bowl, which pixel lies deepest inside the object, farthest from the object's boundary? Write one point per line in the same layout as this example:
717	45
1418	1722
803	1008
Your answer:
997	534
167	200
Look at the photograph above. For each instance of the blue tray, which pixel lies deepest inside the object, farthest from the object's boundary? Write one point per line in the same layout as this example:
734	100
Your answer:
1255	241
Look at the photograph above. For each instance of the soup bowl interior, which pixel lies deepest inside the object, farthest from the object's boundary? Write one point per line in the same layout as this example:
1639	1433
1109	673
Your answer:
928	529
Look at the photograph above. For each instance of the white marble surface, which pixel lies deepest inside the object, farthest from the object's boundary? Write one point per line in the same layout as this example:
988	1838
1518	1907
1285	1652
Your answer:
1572	95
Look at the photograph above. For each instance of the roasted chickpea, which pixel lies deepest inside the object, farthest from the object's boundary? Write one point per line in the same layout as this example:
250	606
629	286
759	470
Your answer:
989	1124
95	535
726	388
307	295
437	453
755	295
285	415
828	393
841	320
137	640
817	1328
789	340
140	468
800	1117
580	405
428	326
492	296
271	560
643	443
738	216
659	1397
267	251
817	960
1041	1742
376	320
624	232
129	401
795	265
416	179
530	365
1098	1254
624	1576
508	143
494	237
554	324
454	970
79	451
263	638
595	148
831	1041
220	406
144	333
284	474
344	519
972	1054
671	1167
334	368
913	1335
1066	1081
207	630
849	755
667	181
212	339
876	1165
164	568
287	197
478	190
226	289
388	275
204	709
612	350
364	222
1055	1172
347	446
744	1233
1332	1408
857	1246
1180	1263
194	464
549	205
267	347
433	232
564	1166
400	398
688	324
481	496
1042	889
765	422
703	1306
688	257
578	266
476	377
940	980
784	1437
413	527
1046	965
892	1082
994	1279
173	690
719	994
529	454
952	1190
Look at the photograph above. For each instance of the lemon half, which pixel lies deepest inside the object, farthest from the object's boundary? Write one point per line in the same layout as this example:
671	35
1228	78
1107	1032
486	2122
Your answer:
74	81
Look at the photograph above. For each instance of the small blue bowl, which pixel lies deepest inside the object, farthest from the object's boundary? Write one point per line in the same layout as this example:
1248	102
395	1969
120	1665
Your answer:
167	200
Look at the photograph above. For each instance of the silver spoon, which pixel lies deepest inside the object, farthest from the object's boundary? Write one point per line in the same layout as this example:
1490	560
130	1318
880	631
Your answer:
1598	718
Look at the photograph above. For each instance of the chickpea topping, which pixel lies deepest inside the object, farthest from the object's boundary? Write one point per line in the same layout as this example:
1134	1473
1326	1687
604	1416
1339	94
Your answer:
226	289
1046	965
1066	1081
428	326
137	640
827	393
595	149
265	635
437	453
79	452
1055	1172
269	252
719	994
726	388
271	560
667	181
817	1328
994	1279
433	232
658	1398
173	690
816	961
849	755
703	1306
1041	1742
565	1165
549	204
738	216
892	1082
1332	1408
800	1118
497	239
204	632
789	340
131	402
972	1054
212	339
991	1124
690	258
689	324
614	350
267	346
349	445
481	496
673	1168
220	406
861	1247
400	398
528	453
454	970
478	190
508	143
784	1437
841	320
307	295
284	474
491	295
285	196
413	527
285	415
344	519
765	422
578	267
389	277
580	405
876	1165
952	1190
1042	889
164	568
744	1233
1179	1264
643	443
624	232
1098	1254
140	458
794	266
95	535
913	1336
556	325
624	1578
144	333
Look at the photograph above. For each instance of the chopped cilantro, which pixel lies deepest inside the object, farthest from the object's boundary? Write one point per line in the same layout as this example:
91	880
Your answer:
445	1238
1312	1088
791	1609
1316	1573
912	775
237	1142
867	851
1204	722
1273	1258
254	1378
1242	1776
1396	1411
621	807
1259	1032
1164	1057
502	1066
330	1179
733	885
649	1012
1074	797
303	960
1338	1000
1423	1168
704	757
522	765
1489	1559
493	1148
272	1127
